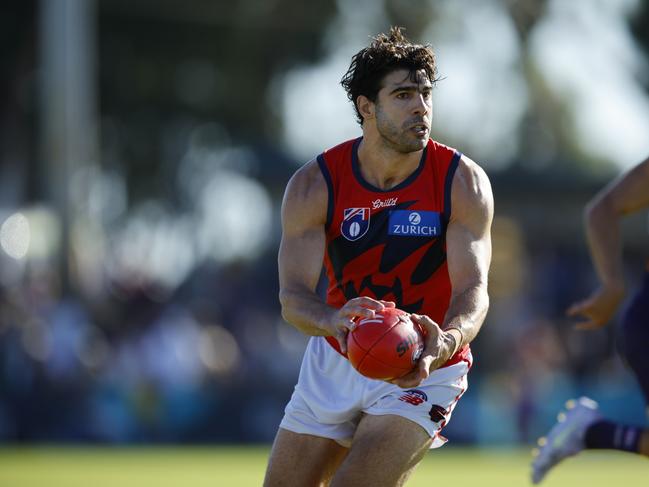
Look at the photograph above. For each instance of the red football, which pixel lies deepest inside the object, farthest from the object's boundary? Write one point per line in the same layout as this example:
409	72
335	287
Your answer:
385	347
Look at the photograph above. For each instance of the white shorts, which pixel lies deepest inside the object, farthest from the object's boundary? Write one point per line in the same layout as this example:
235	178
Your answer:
330	397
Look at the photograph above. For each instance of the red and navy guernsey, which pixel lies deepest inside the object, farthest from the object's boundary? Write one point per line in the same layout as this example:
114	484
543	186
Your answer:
389	244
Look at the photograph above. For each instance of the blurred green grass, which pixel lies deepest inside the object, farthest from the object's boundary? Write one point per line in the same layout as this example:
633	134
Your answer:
244	466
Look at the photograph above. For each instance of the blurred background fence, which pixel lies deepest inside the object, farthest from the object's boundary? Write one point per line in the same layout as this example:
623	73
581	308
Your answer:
144	149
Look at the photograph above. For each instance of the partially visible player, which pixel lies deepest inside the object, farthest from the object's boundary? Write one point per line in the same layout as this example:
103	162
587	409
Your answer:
581	426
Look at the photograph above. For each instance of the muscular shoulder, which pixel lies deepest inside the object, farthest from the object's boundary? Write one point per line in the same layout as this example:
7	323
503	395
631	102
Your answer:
471	194
306	198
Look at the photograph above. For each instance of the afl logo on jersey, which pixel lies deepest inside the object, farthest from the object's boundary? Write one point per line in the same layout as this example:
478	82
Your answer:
355	223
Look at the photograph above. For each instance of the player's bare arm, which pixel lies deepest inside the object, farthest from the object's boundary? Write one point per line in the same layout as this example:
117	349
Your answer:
627	194
468	242
304	213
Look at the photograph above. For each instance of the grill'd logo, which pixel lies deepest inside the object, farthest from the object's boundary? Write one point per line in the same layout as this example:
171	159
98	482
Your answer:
379	203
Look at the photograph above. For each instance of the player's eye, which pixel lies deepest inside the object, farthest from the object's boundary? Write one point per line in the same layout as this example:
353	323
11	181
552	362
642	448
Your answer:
403	95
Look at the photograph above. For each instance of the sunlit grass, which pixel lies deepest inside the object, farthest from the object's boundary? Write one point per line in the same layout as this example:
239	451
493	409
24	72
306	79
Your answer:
244	466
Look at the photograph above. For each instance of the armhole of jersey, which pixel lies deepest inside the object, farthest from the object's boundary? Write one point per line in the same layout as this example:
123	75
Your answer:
330	189
448	184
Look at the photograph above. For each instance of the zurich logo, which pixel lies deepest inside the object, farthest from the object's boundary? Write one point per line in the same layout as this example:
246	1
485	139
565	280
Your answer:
414	218
355	224
420	223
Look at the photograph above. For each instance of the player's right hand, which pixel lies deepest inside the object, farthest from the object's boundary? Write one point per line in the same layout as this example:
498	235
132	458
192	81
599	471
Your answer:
437	351
343	320
598	309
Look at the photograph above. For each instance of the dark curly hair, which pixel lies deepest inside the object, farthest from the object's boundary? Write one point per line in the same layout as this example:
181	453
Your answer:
385	54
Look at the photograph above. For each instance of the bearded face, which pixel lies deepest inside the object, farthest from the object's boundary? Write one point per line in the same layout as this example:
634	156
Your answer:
403	111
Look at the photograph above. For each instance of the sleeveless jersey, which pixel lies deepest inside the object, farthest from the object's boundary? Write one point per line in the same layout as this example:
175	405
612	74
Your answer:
389	244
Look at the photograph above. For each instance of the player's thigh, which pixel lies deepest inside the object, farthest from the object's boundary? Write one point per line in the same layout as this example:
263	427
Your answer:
302	460
384	452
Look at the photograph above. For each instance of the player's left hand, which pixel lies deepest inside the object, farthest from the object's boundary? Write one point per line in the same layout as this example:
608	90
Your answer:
438	347
598	309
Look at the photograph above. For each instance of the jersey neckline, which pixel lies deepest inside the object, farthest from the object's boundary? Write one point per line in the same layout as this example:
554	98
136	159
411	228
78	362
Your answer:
356	169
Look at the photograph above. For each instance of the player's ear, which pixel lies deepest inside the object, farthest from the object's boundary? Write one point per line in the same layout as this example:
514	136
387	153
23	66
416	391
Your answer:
365	107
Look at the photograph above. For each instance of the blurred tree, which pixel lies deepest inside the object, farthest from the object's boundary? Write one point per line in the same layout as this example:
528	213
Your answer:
640	30
18	109
543	134
548	135
415	16
167	65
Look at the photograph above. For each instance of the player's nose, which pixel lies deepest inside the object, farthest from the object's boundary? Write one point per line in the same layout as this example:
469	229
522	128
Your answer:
420	104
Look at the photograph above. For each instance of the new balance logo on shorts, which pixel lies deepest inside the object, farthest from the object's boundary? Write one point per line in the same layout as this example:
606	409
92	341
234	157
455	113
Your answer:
414	397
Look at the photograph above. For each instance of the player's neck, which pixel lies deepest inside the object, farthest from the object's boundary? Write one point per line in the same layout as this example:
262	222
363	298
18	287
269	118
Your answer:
384	167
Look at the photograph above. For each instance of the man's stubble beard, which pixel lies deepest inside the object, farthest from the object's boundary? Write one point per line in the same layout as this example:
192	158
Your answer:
393	137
